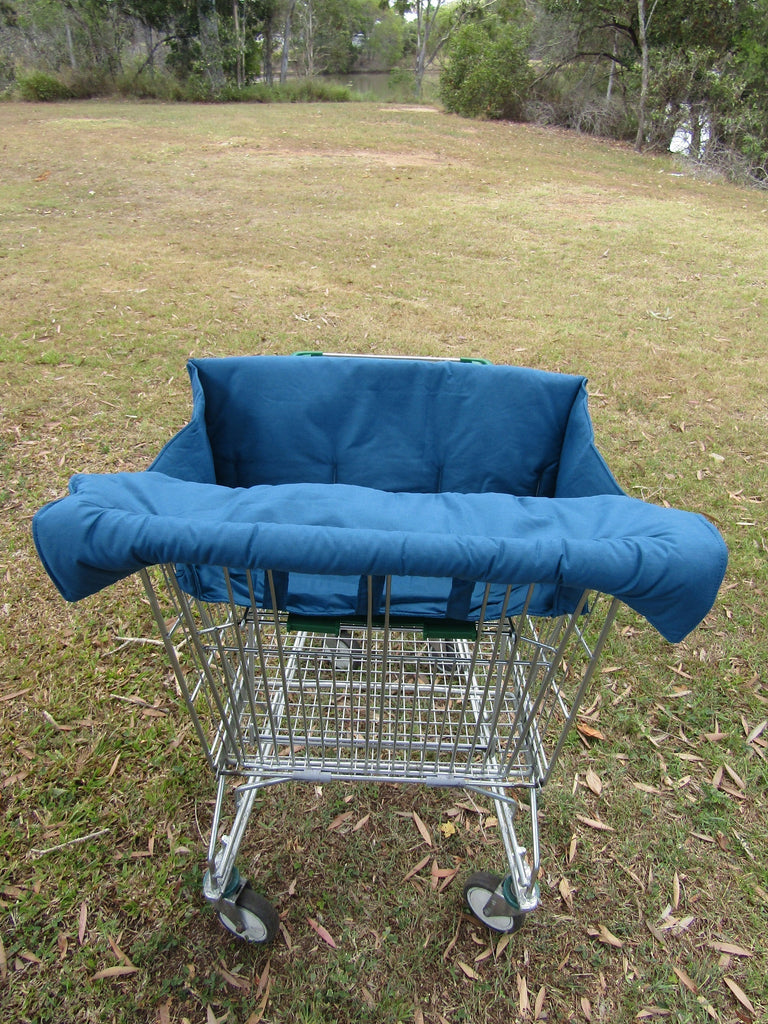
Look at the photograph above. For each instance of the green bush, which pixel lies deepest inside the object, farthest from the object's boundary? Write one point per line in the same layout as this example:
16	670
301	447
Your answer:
40	87
488	72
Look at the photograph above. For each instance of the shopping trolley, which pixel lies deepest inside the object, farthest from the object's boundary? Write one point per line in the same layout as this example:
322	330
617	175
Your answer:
382	570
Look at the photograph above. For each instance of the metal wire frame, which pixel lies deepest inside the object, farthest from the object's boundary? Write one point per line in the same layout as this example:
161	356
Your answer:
378	701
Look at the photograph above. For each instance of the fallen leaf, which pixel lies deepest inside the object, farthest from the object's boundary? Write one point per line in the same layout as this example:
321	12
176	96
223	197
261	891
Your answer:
604	935
447	875
586	1007
572	848
360	824
757	731
418	1016
164	1012
368	999
736	778
235	980
415	870
258	1013
600	826
538	1006
589	731
452	943
423	830
263	980
740	994
676	891
448	829
82	922
324	934
685	978
593	781
118	971
656	933
118	952
469	971
683	924
708	1007
339	820
652	1011
522	992
3	961
566	892
730	948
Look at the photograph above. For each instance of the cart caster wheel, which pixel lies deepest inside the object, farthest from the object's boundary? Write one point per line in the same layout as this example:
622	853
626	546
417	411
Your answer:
259	922
479	892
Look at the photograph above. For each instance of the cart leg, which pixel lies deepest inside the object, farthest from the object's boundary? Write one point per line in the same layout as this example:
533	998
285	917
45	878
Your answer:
503	903
240	909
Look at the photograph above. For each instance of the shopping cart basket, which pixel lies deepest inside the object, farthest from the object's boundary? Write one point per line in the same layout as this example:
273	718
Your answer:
382	570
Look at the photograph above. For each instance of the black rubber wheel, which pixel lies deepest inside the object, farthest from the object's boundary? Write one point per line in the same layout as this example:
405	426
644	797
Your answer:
479	889
259	921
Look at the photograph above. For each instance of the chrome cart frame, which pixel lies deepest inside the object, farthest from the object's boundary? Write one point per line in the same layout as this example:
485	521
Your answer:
273	697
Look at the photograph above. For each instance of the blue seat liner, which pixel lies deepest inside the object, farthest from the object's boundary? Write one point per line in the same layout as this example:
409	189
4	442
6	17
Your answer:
439	474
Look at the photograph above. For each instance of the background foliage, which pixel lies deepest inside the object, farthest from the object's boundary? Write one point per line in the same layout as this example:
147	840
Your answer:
688	73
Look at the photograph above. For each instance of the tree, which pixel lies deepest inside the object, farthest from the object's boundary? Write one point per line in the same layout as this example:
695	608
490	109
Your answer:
429	42
487	73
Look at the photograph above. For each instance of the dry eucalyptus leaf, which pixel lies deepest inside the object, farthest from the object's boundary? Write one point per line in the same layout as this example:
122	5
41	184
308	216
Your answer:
589	731
469	971
604	935
118	971
522	991
572	848
740	994
686	979
538	1006
324	934
600	826
730	948
423	830
594	782
566	892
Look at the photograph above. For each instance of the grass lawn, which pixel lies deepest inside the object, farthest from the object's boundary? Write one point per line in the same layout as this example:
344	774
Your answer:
135	235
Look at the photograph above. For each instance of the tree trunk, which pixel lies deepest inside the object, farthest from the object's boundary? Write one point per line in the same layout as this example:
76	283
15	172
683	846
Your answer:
612	72
208	25
286	42
267	54
70	45
643	40
239	45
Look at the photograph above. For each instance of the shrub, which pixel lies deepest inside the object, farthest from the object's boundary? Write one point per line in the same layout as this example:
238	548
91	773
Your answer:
40	87
488	73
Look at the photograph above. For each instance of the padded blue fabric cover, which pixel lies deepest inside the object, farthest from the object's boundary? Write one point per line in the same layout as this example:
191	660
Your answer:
441	474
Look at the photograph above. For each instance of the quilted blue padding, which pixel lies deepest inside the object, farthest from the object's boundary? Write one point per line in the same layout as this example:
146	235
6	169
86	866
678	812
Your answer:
439	474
